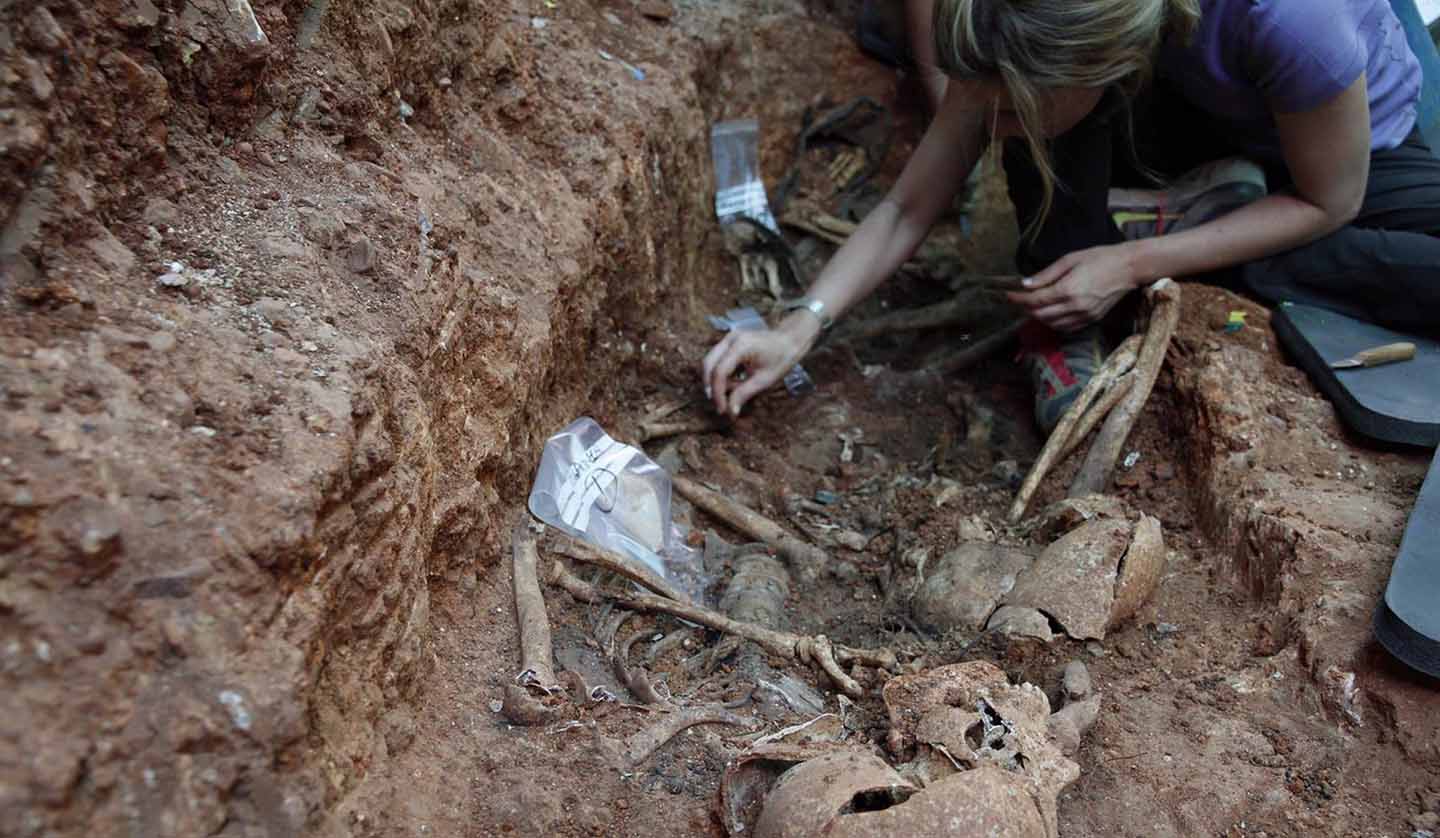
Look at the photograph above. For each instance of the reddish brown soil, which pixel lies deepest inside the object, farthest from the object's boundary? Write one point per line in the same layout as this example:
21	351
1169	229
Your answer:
252	528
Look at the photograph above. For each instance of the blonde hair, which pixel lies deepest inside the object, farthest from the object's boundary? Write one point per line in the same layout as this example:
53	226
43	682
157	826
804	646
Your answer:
1032	45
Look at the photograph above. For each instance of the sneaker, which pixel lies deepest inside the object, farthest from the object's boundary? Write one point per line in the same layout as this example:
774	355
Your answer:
1202	194
1059	366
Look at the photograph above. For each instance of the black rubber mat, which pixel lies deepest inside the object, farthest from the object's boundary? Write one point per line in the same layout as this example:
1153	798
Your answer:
1407	623
1397	403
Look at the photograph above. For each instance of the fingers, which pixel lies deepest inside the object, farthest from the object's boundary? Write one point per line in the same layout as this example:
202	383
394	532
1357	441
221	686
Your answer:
709	364
761	355
1051	275
1034	300
1064	317
748	389
729	355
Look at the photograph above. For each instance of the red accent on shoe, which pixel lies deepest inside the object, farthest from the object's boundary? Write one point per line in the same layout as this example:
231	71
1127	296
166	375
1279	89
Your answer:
1040	340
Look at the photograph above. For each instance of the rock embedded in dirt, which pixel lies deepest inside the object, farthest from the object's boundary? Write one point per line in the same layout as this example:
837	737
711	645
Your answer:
321	227
136	15
41	87
161	341
657	10
362	256
161	213
960	591
45	33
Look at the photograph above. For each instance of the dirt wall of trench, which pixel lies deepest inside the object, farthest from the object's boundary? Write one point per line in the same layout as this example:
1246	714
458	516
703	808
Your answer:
413	238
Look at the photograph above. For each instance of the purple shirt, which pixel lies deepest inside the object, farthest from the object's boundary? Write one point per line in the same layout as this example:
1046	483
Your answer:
1249	57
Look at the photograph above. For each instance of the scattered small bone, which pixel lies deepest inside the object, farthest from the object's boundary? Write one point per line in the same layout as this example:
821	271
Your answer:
1119	363
657	429
815	650
823	727
607	625
635	678
580	551
675	638
640	746
1075	683
665	409
1012	621
1094	474
807	559
1068	724
699	425
1140	570
808	798
962	588
1073	580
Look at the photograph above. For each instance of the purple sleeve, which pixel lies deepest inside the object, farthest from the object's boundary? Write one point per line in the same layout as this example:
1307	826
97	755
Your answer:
1303	54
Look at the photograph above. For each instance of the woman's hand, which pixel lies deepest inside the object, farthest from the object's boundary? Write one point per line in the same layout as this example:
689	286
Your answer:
764	357
1080	288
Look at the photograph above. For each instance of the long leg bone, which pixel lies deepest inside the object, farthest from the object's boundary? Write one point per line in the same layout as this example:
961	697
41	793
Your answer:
1119	362
537	668
1094	474
1098	411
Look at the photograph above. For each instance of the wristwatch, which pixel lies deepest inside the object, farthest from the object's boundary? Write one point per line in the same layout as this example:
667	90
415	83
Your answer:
815	307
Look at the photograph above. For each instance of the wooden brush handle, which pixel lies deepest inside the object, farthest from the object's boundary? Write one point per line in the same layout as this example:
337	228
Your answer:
1387	354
